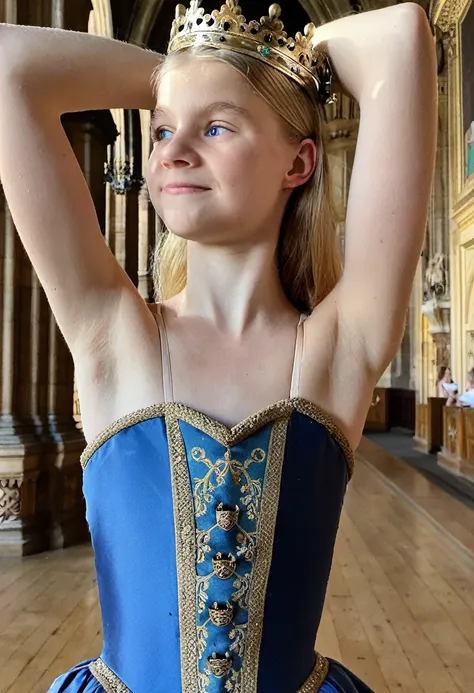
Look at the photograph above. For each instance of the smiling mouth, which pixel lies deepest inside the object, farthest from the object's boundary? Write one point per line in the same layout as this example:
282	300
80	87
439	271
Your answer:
184	189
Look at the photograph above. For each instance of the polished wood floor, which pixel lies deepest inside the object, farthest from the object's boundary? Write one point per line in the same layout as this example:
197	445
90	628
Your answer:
399	611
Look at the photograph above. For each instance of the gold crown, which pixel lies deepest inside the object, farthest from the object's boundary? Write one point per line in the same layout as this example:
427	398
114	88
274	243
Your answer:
265	40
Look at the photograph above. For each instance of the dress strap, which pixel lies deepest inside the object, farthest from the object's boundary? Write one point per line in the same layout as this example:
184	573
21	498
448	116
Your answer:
298	359
165	356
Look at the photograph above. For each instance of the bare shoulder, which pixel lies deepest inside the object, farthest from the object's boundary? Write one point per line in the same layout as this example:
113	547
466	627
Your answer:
336	374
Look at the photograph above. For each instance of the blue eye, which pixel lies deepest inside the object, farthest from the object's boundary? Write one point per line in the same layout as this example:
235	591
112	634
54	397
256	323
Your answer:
216	130
164	135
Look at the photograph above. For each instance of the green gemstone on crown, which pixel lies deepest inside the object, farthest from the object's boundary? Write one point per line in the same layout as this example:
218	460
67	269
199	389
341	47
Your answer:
264	50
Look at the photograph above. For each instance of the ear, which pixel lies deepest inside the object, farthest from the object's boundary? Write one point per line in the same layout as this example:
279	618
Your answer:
304	164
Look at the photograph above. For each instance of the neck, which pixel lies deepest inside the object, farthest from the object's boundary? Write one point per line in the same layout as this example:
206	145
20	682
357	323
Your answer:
234	287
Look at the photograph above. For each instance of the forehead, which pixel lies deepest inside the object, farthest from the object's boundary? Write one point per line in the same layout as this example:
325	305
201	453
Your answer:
193	84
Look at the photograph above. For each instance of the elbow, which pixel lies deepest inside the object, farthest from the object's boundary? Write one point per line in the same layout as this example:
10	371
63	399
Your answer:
16	59
415	44
413	24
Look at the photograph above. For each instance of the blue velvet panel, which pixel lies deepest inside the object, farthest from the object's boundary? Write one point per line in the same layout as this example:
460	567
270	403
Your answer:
127	485
313	485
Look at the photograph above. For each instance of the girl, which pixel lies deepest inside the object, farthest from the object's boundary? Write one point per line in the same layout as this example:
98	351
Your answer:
444	384
220	424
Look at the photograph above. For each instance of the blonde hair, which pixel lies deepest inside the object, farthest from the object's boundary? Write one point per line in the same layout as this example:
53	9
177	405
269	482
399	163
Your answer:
308	255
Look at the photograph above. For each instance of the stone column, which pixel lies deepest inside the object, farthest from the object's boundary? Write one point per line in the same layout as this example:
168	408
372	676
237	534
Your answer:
146	219
24	364
22	522
341	131
436	290
89	134
41	504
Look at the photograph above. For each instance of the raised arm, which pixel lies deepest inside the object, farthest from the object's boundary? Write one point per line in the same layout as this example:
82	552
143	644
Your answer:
43	74
386	60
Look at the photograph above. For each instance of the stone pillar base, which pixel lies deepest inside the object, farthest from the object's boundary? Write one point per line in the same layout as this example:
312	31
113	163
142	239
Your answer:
41	501
22	530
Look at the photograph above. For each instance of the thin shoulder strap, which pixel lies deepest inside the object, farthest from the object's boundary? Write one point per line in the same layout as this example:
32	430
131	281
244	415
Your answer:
165	356
298	358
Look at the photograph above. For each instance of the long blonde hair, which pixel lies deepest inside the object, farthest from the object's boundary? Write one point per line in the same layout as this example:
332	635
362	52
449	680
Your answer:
308	255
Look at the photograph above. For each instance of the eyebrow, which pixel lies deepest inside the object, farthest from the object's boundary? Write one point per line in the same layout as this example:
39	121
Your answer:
226	106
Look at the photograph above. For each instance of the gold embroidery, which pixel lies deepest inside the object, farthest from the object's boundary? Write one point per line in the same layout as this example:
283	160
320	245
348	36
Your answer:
231	475
263	559
315	680
185	553
111	683
215	477
221	433
107	678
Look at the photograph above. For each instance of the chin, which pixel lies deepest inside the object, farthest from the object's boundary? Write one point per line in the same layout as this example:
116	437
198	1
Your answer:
201	228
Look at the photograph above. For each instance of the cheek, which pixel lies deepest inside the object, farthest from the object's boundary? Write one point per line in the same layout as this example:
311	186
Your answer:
151	178
253	175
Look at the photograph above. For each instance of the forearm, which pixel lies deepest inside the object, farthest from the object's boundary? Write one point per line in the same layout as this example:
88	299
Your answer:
374	49
72	71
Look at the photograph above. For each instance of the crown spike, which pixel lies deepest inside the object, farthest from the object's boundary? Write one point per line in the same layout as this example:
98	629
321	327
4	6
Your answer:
265	40
274	11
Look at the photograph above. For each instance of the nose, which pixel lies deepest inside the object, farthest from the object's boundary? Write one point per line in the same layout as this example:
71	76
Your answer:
178	153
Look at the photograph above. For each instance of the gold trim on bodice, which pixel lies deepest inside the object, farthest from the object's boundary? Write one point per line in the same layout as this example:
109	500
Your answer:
263	559
111	683
221	433
107	678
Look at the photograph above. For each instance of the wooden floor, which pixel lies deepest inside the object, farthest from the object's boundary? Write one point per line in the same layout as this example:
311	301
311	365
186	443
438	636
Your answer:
399	611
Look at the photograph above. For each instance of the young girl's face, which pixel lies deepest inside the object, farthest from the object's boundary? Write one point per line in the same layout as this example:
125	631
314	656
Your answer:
222	167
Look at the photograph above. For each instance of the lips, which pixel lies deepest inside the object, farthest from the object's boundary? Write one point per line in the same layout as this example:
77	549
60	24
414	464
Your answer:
184	188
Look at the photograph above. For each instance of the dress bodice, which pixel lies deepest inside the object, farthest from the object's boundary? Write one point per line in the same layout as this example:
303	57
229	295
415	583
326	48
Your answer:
213	548
214	545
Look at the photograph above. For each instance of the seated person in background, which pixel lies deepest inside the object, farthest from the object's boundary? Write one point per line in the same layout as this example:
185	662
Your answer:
467	397
445	387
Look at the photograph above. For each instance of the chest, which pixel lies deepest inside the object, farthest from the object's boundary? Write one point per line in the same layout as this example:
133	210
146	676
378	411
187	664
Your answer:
231	379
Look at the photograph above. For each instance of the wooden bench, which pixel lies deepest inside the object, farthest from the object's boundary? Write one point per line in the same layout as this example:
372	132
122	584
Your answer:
429	425
457	453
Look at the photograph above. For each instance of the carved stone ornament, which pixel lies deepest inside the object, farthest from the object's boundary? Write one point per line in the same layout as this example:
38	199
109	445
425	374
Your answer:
470	349
442	342
445	13
450	43
438	313
436	284
10	499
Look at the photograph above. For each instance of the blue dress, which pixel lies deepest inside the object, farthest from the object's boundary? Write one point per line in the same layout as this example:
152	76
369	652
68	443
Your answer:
213	550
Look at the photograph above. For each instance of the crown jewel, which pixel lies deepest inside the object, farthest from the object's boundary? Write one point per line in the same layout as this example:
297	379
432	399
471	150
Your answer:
265	40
